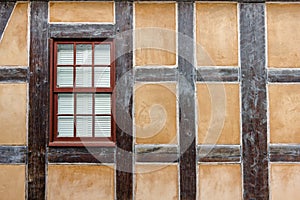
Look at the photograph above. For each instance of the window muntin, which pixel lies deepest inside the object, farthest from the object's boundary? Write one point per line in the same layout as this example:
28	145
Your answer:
82	85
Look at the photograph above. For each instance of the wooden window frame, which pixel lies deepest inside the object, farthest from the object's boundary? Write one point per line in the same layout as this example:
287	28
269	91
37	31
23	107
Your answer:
54	91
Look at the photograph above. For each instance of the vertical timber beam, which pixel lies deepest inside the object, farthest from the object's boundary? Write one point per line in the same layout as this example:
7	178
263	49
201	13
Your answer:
6	9
186	84
124	91
254	101
38	99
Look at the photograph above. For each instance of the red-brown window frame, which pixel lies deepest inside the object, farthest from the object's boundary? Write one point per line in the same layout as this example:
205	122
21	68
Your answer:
54	91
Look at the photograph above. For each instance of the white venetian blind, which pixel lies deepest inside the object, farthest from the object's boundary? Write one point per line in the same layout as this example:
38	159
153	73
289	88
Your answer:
84	104
102	104
84	54
102	54
102	77
103	126
65	54
83	76
64	76
65	103
65	126
84	126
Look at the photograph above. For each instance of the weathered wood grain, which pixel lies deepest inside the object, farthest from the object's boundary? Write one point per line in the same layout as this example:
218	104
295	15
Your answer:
13	154
187	111
157	153
81	31
155	74
284	75
12	74
6	9
81	154
254	101
285	153
124	91
219	153
217	74
38	119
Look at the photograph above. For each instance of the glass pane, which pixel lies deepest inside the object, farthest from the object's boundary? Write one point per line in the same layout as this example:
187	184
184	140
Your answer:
102	104
65	54
102	126
65	104
83	54
102	77
65	126
84	126
64	76
84	104
102	54
83	76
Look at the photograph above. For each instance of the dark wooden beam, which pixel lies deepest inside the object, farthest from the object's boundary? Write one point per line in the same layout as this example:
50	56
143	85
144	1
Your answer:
254	101
123	92
13	74
157	153
187	111
284	153
13	154
81	30
284	75
218	74
6	9
38	119
155	74
81	154
219	153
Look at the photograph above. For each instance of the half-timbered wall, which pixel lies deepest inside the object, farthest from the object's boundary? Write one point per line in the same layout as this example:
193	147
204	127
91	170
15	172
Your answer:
207	101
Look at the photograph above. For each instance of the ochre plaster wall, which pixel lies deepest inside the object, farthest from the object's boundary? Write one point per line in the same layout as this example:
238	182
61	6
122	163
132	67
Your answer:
155	113
285	181
159	182
220	182
283	26
155	34
13	111
99	12
216	34
14	45
80	182
284	113
218	113
12	182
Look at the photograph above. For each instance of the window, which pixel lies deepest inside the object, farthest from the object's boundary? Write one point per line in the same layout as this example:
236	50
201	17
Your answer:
82	81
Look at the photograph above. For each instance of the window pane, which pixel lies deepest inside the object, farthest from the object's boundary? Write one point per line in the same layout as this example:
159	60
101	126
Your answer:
83	76
65	126
65	104
64	76
83	54
102	104
84	104
65	54
102	54
84	126
102	77
102	126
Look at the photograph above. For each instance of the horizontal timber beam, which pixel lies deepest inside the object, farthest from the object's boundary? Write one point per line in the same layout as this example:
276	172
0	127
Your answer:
13	154
12	74
81	155
284	75
81	30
